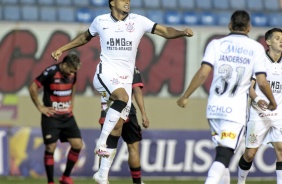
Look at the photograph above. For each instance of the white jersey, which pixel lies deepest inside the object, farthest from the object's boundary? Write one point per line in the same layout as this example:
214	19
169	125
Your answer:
119	42
235	58
274	77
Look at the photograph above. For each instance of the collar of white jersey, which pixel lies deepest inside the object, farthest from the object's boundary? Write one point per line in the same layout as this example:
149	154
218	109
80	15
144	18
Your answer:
116	20
239	34
270	59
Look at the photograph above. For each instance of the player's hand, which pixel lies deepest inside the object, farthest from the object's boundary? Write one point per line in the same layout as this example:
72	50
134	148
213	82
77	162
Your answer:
272	106
188	32
182	101
56	54
145	121
263	105
47	111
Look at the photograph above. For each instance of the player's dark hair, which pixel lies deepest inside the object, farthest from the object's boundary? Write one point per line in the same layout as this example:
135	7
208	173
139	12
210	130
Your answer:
72	60
270	32
240	20
110	4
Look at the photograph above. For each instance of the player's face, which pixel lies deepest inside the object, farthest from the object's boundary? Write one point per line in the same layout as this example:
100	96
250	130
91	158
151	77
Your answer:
122	5
275	42
68	71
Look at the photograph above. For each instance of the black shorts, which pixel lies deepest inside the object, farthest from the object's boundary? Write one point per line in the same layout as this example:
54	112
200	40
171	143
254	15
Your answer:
54	129
131	130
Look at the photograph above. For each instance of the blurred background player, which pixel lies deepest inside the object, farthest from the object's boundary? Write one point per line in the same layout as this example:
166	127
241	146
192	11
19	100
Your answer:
57	120
265	126
228	95
131	131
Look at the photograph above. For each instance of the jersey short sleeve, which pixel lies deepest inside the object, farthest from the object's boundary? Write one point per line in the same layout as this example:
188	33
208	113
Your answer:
260	66
93	30
209	55
45	76
137	80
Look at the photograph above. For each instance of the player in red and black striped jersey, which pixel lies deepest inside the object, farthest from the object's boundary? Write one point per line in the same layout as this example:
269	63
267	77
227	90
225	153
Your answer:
131	131
57	120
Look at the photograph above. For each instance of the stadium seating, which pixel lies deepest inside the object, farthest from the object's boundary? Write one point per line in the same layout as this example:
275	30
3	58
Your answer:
208	19
204	4
169	4
223	18
100	11
139	11
48	14
190	18
136	4
156	16
187	4
10	2
272	5
237	4
45	2
152	4
275	19
259	19
100	3
81	3
84	15
255	5
172	17
63	2
66	14
11	12
221	4
30	13
28	2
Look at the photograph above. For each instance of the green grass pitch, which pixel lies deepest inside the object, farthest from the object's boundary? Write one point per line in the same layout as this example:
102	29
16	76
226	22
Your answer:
21	180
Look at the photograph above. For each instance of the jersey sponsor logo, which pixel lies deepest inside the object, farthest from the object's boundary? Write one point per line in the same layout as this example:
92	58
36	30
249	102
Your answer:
123	77
267	114
219	109
61	105
130	27
62	93
119	44
230	135
228	47
275	86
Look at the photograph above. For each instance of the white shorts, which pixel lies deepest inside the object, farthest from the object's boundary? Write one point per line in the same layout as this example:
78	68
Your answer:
263	132
226	133
107	82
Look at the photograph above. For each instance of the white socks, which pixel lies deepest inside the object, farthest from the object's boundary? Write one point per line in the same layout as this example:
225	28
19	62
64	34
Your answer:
109	124
106	163
215	173
242	175
279	176
225	179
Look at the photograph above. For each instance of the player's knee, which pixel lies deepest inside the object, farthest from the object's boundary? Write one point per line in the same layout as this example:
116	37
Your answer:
50	148
118	105
224	155
249	156
77	144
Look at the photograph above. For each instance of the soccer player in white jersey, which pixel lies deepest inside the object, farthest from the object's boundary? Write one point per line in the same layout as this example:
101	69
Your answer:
120	33
233	59
265	126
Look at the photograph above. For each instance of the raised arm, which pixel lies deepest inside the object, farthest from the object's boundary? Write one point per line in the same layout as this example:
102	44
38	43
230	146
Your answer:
81	39
138	95
171	33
